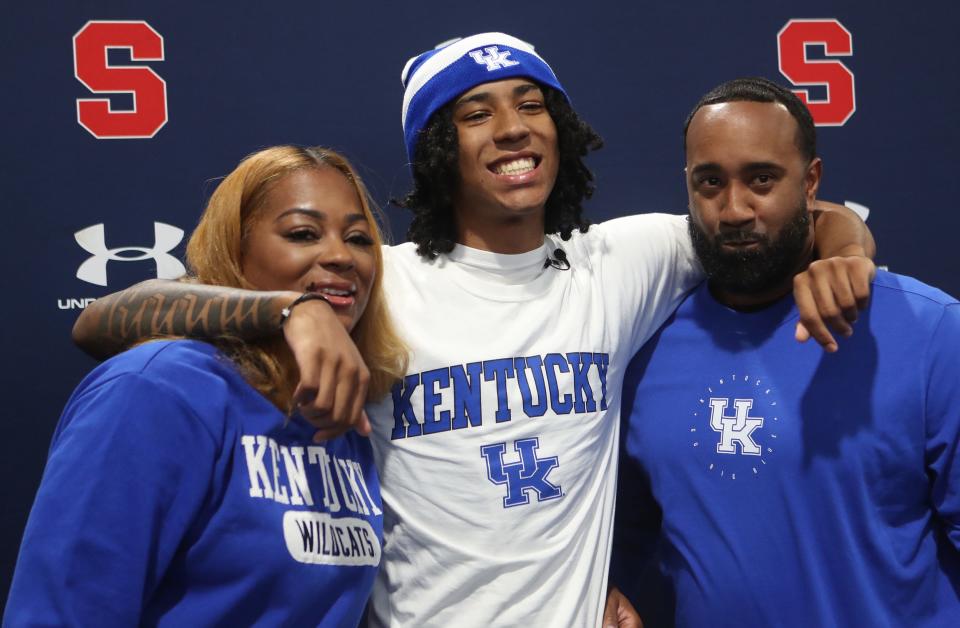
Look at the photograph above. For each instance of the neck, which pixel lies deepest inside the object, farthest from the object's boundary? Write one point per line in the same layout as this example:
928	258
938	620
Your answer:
511	236
749	302
490	226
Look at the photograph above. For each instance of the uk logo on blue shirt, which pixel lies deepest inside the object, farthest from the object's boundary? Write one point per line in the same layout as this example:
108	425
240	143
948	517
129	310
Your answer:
735	426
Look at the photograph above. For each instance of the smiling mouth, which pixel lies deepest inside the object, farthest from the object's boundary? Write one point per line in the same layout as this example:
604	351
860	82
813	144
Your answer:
335	296
514	167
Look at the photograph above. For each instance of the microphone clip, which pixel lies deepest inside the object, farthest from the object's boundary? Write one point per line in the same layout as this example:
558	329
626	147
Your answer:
558	260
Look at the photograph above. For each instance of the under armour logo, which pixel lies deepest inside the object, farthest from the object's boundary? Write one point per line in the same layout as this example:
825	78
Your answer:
93	240
494	59
528	474
735	429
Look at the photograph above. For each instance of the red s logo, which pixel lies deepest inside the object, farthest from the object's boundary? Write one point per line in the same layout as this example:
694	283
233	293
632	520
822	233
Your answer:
792	42
91	67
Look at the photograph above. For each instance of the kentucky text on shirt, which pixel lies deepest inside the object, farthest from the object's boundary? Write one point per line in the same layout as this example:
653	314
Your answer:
452	395
296	489
315	537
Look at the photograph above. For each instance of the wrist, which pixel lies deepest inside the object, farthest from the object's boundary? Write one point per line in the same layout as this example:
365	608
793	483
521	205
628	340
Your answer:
306	297
851	250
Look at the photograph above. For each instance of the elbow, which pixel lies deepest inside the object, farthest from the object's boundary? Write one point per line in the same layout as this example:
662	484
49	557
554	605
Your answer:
84	333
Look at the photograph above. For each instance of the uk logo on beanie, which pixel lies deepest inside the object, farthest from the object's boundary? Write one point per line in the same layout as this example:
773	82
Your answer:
435	77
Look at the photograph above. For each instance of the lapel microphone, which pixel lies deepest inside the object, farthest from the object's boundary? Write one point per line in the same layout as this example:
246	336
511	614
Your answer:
558	261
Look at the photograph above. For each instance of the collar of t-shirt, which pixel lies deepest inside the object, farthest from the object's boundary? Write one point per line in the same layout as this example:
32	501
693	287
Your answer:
501	277
518	269
711	314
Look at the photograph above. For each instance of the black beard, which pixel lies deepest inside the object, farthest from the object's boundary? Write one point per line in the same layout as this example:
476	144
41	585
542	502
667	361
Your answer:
756	271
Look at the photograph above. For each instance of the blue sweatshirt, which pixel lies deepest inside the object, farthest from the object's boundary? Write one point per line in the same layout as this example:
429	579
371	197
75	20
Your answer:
176	495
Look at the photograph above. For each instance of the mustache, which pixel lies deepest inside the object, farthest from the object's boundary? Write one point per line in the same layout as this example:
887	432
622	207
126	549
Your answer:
739	236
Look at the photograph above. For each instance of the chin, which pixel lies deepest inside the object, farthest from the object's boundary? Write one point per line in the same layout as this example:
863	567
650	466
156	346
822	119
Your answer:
525	205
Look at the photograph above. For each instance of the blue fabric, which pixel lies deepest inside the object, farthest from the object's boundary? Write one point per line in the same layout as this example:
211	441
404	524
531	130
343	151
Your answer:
154	509
850	513
462	75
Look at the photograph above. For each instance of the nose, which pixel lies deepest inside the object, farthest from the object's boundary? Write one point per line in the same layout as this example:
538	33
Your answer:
336	254
737	210
511	127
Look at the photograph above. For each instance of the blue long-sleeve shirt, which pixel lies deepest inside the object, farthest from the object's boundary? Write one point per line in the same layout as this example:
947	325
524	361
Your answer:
797	488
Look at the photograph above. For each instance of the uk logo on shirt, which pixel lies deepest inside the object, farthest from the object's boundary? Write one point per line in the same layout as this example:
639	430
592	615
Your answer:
524	477
734	426
736	432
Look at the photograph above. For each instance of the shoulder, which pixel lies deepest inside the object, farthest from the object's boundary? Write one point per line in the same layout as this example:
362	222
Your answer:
910	289
653	225
903	305
406	252
404	269
652	220
638	236
404	258
910	297
165	361
188	376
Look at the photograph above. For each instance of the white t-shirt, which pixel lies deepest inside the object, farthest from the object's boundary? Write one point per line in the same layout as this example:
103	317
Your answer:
497	454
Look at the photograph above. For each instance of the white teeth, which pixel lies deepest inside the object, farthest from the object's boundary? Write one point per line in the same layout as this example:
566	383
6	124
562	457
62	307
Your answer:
517	166
336	292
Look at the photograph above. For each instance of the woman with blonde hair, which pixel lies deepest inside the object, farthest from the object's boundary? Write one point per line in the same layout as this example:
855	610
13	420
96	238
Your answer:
180	487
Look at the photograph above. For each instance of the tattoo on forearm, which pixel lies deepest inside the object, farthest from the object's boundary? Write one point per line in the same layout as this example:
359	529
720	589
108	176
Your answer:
148	312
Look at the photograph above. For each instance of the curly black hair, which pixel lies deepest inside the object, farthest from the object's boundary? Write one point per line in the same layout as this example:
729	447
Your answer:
436	176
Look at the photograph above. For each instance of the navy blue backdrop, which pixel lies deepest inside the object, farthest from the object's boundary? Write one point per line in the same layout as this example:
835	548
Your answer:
229	78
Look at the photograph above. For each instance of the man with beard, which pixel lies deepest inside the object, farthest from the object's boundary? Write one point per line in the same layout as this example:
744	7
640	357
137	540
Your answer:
797	488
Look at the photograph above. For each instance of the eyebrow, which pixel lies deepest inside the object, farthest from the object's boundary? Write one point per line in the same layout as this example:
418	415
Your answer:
750	167
519	90
707	167
763	165
318	215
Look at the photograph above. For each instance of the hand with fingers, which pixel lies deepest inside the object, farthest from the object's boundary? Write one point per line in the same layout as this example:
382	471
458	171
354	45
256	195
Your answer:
333	376
619	612
830	294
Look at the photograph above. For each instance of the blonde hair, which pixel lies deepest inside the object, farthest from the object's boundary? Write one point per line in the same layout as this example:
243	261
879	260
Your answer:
214	255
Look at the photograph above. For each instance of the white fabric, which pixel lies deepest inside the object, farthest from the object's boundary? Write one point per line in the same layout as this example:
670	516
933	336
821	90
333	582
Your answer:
504	269
454	554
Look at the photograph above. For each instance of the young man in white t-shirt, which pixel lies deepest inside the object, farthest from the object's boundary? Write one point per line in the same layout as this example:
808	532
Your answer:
497	451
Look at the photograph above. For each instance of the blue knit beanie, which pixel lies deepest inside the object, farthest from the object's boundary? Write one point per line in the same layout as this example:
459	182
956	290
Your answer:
434	78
